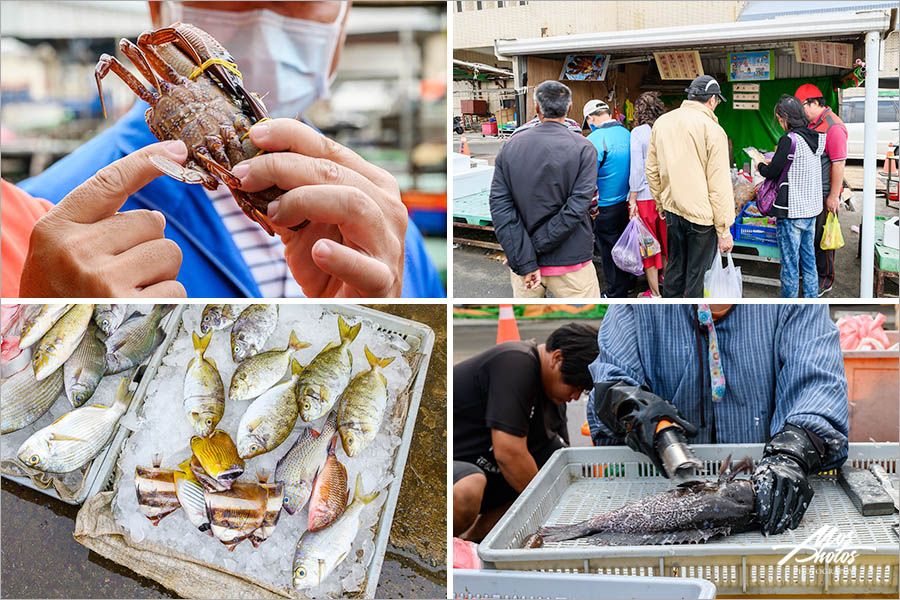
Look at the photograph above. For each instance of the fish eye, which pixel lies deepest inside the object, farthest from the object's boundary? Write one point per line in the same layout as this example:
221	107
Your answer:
35	459
286	500
209	422
254	448
306	406
300	572
105	322
349	440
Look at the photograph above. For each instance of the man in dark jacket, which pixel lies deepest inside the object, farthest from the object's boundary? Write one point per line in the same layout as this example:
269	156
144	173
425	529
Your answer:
544	180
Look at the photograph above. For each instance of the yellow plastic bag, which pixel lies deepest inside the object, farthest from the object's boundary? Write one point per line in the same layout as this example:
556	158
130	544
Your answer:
832	239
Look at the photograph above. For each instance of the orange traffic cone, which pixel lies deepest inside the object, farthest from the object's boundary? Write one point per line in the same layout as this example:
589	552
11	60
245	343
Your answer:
507	330
890	161
464	146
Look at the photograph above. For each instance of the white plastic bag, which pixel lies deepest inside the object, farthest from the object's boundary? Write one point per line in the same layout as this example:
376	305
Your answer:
722	282
627	251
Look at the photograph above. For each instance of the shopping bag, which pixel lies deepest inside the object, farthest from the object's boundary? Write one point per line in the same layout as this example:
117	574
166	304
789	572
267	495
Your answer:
722	282
648	243
832	238
627	251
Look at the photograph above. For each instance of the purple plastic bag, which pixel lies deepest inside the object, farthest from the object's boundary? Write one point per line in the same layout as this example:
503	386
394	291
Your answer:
627	251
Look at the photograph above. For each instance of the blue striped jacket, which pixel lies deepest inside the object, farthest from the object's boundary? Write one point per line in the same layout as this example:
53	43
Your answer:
782	364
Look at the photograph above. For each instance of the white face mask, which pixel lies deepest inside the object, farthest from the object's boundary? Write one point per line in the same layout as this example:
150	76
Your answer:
287	57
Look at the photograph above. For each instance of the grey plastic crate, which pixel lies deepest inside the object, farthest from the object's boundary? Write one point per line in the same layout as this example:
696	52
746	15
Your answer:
472	585
100	469
572	487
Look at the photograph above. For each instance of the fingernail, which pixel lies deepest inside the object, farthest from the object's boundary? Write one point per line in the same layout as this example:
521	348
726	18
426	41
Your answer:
241	170
272	209
176	149
323	249
260	131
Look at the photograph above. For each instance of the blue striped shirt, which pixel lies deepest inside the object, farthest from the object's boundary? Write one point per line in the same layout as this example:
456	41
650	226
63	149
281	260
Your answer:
782	364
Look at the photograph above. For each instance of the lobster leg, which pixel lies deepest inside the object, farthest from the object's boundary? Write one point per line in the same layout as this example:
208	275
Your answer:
109	63
137	57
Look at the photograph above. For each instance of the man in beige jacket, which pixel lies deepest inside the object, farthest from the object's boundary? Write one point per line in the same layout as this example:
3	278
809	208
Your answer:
687	170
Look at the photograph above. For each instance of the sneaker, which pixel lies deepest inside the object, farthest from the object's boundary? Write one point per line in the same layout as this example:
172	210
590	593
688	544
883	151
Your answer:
647	294
823	289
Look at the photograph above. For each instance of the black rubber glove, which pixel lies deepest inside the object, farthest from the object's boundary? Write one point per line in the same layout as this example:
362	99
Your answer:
633	413
783	492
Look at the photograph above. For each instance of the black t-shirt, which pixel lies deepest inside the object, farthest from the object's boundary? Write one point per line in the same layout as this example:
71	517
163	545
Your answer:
502	389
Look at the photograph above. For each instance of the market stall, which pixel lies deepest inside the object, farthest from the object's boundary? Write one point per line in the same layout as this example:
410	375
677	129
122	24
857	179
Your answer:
755	62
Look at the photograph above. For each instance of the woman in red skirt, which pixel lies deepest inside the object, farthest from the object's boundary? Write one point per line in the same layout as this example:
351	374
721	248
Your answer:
640	202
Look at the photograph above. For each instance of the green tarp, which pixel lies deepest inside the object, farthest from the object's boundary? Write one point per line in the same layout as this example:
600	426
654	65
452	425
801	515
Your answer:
581	311
758	128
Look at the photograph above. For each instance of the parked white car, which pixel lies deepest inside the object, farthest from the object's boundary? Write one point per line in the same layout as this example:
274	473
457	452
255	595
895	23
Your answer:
852	113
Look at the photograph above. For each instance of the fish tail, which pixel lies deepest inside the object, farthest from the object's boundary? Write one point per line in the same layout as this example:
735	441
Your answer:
559	533
358	492
296	367
201	343
348	334
332	444
295	344
123	397
375	361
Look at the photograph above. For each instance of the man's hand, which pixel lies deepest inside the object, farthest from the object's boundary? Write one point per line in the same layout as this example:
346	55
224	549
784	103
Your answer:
832	202
726	242
84	248
532	280
354	245
632	209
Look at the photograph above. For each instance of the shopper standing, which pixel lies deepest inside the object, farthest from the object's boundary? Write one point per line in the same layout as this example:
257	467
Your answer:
612	141
544	180
689	177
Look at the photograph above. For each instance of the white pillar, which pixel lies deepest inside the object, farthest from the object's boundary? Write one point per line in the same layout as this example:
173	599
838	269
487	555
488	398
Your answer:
867	228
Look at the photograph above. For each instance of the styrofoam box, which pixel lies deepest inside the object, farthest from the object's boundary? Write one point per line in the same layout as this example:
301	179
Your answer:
892	232
461	163
472	181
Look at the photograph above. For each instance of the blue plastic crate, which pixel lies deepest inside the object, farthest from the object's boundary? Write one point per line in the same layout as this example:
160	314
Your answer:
754	234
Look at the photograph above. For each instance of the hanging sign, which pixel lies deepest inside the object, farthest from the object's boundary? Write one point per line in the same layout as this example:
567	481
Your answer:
678	65
750	66
745	105
832	54
745	87
591	67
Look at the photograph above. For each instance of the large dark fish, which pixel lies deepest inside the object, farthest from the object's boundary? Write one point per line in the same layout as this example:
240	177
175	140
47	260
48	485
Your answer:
690	514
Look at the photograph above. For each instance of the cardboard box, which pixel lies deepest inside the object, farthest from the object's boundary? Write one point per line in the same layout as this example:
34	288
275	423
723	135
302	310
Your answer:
473	107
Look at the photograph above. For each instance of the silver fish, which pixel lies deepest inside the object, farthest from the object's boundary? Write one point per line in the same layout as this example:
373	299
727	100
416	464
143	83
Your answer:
298	468
40	321
318	553
84	369
76	437
204	393
325	378
219	316
687	514
259	373
109	317
251	330
25	399
269	419
362	405
61	340
192	498
135	340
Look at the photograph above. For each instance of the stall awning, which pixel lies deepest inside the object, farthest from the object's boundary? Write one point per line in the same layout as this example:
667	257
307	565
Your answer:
784	29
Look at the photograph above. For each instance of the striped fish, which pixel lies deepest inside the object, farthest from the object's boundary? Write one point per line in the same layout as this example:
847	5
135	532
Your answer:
192	497
135	340
155	489
329	494
362	405
298	468
40	322
84	369
61	340
25	399
76	437
236	513
216	462
273	511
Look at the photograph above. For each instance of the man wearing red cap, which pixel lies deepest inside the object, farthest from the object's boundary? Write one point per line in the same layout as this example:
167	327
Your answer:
822	119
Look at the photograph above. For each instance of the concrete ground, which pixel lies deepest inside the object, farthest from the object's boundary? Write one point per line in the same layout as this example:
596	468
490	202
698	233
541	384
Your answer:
41	559
480	273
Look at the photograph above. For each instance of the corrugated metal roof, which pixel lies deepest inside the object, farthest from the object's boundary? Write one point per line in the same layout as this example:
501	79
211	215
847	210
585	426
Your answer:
769	9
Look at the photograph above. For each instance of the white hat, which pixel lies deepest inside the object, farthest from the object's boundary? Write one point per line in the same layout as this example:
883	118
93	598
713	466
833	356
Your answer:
592	106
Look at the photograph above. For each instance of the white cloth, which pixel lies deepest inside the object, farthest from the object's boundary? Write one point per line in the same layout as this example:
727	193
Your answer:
805	180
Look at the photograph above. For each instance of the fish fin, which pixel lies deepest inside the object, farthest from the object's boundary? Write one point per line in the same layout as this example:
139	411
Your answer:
185	465
296	367
661	538
254	424
382	378
160	336
331	346
295	344
212	362
314	433
157	460
559	533
201	343
725	470
359	495
59	419
374	360
262	477
56	437
332	444
123	397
